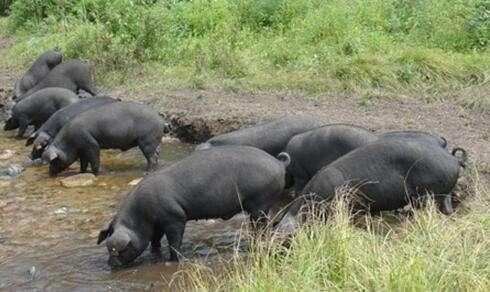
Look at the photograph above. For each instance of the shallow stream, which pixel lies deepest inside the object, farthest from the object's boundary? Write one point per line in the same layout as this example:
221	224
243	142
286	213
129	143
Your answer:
48	232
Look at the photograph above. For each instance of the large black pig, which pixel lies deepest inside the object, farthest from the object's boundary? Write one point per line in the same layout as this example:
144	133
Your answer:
118	125
387	175
271	137
46	133
38	107
38	70
312	150
72	74
214	183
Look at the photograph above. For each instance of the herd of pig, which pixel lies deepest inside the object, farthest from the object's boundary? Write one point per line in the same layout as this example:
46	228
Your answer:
250	169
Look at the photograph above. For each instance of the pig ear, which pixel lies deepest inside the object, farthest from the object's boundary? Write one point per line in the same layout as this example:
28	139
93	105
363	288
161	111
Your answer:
50	154
31	139
105	232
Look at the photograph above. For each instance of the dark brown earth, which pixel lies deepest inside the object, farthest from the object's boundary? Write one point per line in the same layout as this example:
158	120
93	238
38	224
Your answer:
199	114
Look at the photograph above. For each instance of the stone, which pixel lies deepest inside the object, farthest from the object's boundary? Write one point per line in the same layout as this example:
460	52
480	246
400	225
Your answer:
168	139
135	181
14	169
94	233
3	204
78	180
4	183
6	154
63	210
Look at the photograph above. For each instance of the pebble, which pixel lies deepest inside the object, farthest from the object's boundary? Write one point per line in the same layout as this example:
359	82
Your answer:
135	181
6	154
78	180
168	139
4	183
32	272
3	204
94	233
63	210
14	169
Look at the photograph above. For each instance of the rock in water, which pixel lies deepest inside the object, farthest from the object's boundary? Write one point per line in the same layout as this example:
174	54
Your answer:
4	183
6	154
79	180
14	169
135	181
63	210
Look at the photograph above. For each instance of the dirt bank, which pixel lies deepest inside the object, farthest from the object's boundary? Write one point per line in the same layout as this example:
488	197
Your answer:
199	114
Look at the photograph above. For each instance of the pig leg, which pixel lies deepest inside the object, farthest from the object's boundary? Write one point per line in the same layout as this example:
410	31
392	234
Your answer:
155	241
93	157
150	151
83	162
23	124
175	232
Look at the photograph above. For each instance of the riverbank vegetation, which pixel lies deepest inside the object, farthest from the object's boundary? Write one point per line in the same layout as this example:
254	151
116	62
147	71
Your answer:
432	49
429	252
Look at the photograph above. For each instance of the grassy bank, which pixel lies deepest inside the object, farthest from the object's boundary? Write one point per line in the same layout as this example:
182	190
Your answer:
430	252
434	48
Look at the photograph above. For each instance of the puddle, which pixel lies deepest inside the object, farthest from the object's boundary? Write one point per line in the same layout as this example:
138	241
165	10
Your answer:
48	232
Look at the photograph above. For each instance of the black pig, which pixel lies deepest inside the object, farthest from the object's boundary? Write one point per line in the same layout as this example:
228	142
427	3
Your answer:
214	183
46	133
118	125
38	107
38	70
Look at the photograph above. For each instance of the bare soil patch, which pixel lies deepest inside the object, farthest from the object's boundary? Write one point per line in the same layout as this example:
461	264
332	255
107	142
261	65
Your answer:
199	114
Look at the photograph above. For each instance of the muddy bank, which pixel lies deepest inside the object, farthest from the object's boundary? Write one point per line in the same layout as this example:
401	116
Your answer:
199	114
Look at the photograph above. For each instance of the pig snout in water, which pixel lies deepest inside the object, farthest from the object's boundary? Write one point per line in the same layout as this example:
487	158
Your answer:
250	180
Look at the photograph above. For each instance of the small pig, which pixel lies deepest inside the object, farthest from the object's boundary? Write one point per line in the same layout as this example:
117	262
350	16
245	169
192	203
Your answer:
387	175
118	125
72	74
214	183
271	137
46	133
38	70
38	107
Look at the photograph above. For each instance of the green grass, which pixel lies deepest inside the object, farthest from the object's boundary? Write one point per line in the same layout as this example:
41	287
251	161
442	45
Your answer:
430	252
420	46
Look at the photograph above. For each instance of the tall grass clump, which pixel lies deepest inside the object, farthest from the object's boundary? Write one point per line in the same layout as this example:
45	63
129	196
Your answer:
295	44
429	252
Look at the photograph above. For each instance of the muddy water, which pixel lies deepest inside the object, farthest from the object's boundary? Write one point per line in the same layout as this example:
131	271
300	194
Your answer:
48	232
